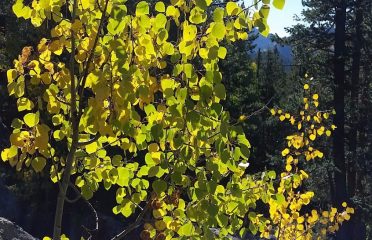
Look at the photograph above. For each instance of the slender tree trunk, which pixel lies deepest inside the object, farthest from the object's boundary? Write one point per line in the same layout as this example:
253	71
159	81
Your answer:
353	166
355	75
339	119
75	137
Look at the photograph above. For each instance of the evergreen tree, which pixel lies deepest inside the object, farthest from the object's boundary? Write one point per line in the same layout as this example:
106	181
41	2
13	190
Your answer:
331	47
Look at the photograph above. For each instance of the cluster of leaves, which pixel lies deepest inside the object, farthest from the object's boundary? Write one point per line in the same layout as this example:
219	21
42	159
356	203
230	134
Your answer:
285	212
138	109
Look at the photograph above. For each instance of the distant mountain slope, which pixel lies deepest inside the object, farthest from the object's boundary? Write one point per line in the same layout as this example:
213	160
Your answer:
266	43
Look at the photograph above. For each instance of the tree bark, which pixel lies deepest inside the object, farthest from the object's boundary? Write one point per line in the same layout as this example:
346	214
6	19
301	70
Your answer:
353	166
339	118
75	138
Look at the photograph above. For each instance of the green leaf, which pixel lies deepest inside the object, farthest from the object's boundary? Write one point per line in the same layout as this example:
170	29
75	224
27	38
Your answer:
123	177
86	192
203	4
58	135
31	119
157	131
219	30
271	174
188	70
142	8
280	198
220	91
186	229
218	14
197	16
222	52
38	163
279	4
245	152
150	109
159	186
264	11
161	21
24	104
160	7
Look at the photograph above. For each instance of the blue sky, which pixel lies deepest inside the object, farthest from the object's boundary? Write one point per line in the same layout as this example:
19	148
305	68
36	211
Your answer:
279	19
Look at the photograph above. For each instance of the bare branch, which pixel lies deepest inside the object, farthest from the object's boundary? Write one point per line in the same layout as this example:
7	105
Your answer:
95	138
133	225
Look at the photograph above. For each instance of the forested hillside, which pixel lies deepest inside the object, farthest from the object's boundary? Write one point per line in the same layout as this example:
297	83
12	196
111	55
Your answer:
185	119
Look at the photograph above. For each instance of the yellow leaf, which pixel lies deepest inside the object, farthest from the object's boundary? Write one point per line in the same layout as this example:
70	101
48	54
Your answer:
4	154
232	8
320	131
142	8
91	148
279	4
312	137
285	152
288	168
11	74
153	147
189	32
31	119
300	219
24	104
242	118
219	30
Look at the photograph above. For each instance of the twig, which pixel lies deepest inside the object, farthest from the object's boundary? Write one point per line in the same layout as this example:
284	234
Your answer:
95	138
89	60
133	225
91	207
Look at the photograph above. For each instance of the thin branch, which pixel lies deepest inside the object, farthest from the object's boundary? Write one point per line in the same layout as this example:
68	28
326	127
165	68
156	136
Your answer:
90	58
133	225
258	111
95	138
91	207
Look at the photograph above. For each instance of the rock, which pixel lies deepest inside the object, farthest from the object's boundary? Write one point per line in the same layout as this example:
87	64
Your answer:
11	231
8	201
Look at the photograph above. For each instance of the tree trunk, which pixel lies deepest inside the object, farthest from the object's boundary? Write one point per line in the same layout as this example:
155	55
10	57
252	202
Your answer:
64	183
339	118
353	166
355	75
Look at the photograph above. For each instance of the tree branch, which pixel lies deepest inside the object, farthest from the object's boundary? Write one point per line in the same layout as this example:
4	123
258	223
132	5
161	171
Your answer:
57	229
95	138
89	60
133	225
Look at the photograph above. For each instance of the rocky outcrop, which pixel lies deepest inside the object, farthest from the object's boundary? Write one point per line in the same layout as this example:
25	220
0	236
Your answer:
9	206
11	231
